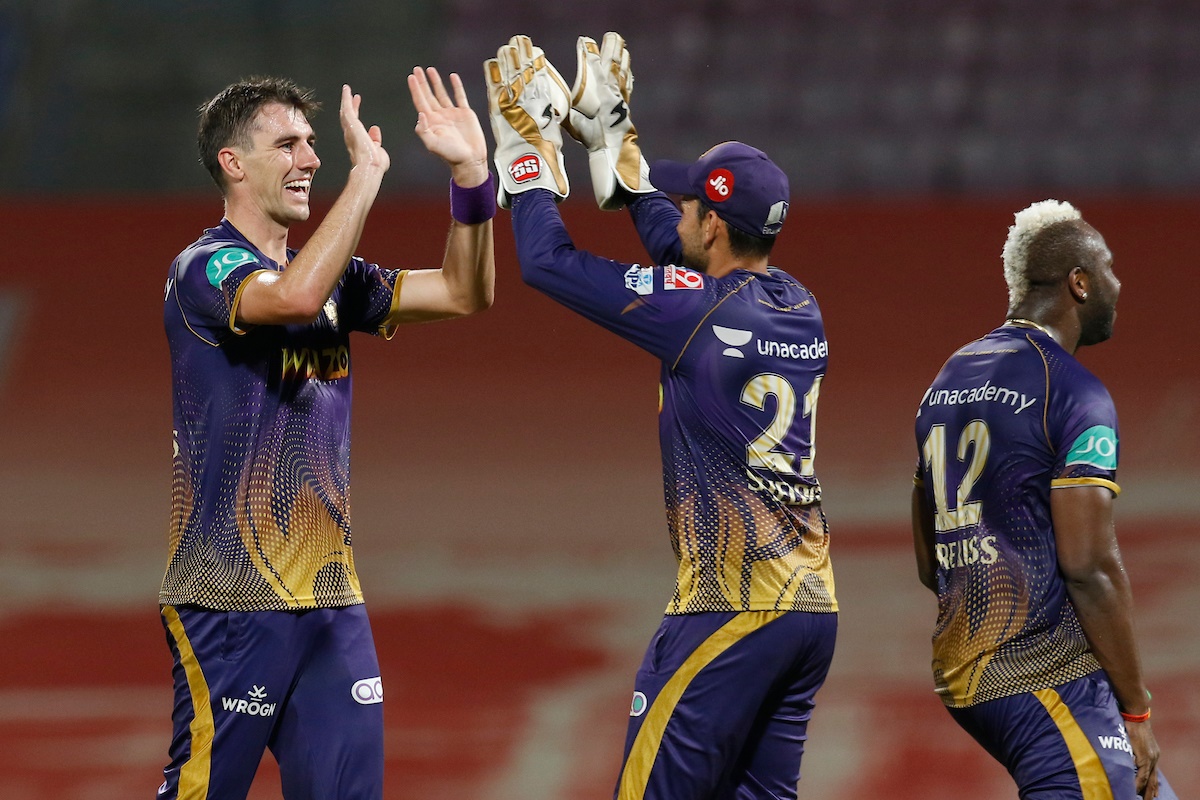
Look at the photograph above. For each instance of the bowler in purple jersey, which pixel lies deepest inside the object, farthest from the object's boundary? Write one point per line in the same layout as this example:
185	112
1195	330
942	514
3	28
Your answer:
725	692
261	600
1034	652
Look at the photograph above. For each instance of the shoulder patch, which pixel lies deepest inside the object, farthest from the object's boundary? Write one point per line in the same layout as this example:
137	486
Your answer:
681	278
1097	447
224	261
640	279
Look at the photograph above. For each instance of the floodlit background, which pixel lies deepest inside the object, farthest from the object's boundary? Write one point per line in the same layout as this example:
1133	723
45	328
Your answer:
507	491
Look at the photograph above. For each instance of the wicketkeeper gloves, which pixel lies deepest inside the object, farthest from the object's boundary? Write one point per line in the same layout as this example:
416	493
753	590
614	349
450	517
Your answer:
599	119
527	103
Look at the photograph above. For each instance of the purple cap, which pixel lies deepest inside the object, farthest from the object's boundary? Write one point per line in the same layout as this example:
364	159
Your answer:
735	180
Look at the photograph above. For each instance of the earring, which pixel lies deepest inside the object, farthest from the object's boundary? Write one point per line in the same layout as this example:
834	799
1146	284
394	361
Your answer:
1083	295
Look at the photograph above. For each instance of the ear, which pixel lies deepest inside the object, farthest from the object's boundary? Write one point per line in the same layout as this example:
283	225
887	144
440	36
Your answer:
1078	283
231	164
712	228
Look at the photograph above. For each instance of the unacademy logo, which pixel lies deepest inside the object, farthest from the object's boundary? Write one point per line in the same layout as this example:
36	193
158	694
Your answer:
734	337
639	705
255	705
817	348
368	691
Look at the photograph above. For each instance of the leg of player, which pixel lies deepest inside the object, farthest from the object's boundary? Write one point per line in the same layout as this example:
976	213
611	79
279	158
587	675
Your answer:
227	699
1066	743
721	705
770	766
329	743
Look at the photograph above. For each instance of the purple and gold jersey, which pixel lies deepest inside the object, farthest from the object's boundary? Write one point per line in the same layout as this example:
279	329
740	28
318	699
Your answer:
742	361
1010	418
260	510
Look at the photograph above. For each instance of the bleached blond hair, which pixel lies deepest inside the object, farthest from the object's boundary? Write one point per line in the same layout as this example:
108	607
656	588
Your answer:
1028	223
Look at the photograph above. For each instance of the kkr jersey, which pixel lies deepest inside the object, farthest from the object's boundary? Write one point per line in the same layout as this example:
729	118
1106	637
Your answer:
742	361
260	512
1009	418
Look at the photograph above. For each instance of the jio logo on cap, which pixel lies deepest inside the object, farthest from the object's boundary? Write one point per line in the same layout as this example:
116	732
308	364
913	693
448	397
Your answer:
719	186
367	691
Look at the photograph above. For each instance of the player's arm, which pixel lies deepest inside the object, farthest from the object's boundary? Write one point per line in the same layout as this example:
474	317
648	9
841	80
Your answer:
923	538
601	119
297	294
1098	585
465	282
598	288
656	219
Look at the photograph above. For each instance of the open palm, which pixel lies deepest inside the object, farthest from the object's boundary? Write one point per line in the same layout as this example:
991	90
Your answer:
447	126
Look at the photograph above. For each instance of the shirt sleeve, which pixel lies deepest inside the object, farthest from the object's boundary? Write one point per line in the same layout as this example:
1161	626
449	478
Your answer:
656	218
1087	443
368	297
655	307
208	285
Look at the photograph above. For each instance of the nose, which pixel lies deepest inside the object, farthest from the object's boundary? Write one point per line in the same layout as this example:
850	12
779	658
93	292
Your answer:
307	158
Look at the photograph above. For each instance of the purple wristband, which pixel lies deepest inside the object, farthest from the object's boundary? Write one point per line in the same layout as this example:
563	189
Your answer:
475	205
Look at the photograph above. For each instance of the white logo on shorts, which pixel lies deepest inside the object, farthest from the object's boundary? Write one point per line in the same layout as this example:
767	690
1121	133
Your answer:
367	691
639	705
255	706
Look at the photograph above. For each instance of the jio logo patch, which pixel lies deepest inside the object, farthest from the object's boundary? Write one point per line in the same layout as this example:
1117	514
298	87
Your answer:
1097	446
367	691
719	186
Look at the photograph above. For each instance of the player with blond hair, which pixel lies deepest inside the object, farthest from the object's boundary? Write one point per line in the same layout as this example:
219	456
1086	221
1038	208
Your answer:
1034	652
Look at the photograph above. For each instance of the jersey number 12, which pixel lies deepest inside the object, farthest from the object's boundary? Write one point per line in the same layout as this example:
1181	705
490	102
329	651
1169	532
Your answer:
976	438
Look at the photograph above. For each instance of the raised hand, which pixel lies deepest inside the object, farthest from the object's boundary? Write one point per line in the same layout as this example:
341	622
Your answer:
364	146
527	103
600	119
448	127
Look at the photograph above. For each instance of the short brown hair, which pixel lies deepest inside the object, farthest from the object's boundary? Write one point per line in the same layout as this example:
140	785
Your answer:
227	118
741	244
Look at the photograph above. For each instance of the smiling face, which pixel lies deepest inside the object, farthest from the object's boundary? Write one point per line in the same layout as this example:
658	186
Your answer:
278	165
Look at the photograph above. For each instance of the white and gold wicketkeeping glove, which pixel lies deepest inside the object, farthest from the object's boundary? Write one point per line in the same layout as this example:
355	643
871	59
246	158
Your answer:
527	103
599	118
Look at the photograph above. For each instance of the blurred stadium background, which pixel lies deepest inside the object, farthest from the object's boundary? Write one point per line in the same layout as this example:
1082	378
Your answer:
508	514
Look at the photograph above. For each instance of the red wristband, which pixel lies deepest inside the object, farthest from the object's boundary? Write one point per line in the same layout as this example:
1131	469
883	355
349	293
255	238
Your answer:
1136	717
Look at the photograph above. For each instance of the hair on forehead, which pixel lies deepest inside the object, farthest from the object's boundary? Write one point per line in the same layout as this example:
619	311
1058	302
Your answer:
1031	247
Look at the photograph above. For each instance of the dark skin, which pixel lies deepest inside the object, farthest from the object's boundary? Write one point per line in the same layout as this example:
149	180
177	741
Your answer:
1078	309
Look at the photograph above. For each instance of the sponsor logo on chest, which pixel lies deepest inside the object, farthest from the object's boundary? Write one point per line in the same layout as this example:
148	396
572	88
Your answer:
817	348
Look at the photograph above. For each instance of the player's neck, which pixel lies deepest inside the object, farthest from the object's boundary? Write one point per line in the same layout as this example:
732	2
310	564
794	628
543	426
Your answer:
1061	328
265	233
720	267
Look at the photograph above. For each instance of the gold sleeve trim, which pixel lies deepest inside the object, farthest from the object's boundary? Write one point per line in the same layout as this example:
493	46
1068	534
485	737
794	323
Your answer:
237	299
387	328
1067	483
